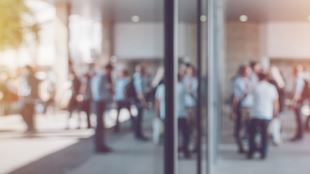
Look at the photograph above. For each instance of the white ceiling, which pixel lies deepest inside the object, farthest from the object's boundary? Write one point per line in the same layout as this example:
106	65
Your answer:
257	10
269	10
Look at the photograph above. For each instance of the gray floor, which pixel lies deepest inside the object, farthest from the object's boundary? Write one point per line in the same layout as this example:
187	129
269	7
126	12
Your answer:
288	158
55	150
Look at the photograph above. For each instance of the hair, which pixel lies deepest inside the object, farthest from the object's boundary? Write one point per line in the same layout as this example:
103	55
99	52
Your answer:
242	69
262	76
109	66
253	64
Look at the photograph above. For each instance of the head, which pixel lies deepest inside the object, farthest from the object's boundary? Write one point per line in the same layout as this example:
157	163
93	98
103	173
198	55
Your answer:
297	70
191	71
255	67
182	69
123	73
244	71
140	69
262	76
108	69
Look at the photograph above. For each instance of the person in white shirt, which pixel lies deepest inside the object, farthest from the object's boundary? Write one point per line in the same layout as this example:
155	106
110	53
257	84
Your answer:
265	107
242	103
183	123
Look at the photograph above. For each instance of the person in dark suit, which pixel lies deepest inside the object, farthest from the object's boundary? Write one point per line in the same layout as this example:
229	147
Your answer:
74	103
101	94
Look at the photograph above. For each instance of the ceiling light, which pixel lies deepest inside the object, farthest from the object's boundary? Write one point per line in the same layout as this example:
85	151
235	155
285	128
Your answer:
243	18
203	18
135	19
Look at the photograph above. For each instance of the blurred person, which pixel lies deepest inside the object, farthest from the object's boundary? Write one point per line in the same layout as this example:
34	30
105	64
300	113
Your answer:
49	92
265	107
255	69
101	94
191	84
141	88
276	78
183	120
241	104
85	94
122	101
29	96
73	105
298	99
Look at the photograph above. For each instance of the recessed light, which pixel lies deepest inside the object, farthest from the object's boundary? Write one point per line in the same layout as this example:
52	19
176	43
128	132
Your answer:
135	19
203	18
243	18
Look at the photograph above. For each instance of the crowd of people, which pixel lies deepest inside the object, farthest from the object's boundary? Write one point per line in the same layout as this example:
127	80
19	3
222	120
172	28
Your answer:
259	99
101	88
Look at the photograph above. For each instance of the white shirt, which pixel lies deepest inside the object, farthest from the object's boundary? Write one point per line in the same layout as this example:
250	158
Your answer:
264	94
244	86
299	85
180	100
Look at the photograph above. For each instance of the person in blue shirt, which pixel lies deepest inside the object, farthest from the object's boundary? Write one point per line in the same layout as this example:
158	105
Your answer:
141	87
183	121
101	94
121	83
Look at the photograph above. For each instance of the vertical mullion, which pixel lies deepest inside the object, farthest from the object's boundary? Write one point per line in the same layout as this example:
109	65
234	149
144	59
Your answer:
198	109
170	30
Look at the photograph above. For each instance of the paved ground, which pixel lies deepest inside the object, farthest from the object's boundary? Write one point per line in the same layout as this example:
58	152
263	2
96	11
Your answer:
289	158
56	150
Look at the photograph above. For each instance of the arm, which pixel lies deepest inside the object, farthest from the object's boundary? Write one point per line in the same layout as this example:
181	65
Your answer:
276	107
157	108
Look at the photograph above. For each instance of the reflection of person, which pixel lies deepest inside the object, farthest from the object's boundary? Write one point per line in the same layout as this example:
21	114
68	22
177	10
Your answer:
140	85
122	101
101	92
191	85
74	103
183	121
265	107
86	97
298	101
29	96
242	102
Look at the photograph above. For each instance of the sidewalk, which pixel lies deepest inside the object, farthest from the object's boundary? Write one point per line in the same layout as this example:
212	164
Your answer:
55	150
288	158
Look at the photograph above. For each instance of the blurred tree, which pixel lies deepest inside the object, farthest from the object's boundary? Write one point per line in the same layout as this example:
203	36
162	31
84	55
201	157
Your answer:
13	27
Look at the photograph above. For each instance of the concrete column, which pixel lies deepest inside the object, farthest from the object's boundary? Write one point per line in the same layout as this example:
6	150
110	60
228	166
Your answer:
61	47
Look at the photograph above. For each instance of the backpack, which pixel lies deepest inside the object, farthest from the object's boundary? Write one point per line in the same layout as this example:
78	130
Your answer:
131	92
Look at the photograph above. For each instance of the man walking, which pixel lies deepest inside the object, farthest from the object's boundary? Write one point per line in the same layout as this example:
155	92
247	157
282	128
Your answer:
265	107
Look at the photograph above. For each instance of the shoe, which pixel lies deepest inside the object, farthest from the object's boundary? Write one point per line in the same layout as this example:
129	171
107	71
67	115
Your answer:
187	155
296	138
263	157
104	150
143	138
241	151
249	156
116	129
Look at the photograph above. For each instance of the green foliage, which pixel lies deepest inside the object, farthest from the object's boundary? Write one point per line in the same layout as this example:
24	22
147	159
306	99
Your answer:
12	26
